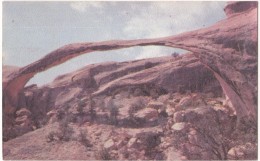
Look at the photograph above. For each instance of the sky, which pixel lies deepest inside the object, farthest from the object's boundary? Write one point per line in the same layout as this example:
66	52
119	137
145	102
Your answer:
33	29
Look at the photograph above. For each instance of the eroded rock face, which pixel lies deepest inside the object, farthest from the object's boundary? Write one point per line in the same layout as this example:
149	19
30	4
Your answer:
162	75
228	49
238	7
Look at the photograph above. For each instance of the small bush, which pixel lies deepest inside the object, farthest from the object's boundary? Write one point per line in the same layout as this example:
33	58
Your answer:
154	93
51	137
175	54
151	141
80	107
113	114
60	114
103	154
83	139
132	110
65	131
93	113
148	65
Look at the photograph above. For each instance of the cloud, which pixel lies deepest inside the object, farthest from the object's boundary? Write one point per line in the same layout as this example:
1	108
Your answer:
150	52
83	6
160	19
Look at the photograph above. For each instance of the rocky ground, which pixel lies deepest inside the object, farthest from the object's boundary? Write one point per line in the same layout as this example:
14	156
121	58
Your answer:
82	117
129	127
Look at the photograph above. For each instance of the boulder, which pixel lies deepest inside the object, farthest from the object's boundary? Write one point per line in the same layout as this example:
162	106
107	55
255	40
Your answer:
132	143
179	126
22	120
238	7
184	102
147	113
170	111
247	151
173	154
23	112
178	116
109	144
156	105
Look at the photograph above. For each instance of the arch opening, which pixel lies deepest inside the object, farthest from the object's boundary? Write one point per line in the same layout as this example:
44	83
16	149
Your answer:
122	55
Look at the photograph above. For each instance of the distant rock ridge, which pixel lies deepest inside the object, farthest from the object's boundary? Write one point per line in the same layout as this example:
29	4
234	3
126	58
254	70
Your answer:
228	49
238	7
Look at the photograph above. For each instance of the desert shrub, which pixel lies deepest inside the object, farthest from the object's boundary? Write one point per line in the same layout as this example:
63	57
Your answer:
181	89
51	136
170	95
150	142
129	92
103	154
113	110
213	135
92	111
71	118
83	139
132	120
163	114
148	65
65	131
60	114
132	110
80	106
175	54
139	103
138	92
154	93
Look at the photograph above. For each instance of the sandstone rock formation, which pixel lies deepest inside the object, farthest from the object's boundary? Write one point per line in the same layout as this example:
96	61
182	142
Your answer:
228	48
178	96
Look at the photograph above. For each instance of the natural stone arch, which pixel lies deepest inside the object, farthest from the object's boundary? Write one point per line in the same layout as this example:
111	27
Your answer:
222	48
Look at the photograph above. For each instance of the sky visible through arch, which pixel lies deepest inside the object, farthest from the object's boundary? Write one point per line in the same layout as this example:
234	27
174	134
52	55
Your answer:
33	29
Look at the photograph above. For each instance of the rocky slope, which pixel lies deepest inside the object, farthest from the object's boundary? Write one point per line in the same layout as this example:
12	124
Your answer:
163	108
128	110
168	108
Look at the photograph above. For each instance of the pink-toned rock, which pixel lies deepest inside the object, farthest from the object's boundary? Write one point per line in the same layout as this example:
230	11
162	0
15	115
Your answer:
178	116
156	105
179	126
23	112
242	151
170	111
132	143
184	103
147	113
51	113
22	120
238	7
110	144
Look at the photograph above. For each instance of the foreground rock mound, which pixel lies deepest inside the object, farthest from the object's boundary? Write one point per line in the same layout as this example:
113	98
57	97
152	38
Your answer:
129	127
